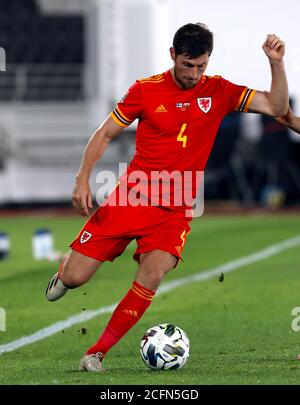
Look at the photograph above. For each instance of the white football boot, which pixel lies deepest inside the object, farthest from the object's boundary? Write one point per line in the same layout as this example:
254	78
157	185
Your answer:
55	289
92	362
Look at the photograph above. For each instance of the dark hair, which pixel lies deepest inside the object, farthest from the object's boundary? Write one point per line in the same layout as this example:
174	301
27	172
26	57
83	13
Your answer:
193	40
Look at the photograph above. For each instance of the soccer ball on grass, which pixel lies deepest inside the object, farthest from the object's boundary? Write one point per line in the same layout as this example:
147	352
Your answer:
165	347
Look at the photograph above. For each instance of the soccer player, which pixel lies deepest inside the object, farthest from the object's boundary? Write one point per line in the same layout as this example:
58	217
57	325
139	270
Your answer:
179	113
290	120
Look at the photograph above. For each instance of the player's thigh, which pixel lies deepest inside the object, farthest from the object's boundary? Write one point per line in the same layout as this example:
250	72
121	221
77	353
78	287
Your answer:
78	268
157	259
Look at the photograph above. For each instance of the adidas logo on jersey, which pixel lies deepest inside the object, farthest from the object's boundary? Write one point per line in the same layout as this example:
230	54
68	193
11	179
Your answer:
130	312
161	108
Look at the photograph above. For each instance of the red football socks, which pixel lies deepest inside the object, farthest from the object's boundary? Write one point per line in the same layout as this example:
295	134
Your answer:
125	316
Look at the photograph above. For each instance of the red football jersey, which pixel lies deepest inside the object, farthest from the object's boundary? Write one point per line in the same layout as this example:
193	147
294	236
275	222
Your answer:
177	127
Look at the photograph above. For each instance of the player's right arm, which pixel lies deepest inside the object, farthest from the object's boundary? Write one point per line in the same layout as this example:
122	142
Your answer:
127	110
290	120
82	196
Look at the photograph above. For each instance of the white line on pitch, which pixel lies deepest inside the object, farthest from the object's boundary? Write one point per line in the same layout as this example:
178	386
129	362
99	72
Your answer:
205	275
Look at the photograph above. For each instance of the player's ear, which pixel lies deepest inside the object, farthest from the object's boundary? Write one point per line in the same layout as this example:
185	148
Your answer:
172	53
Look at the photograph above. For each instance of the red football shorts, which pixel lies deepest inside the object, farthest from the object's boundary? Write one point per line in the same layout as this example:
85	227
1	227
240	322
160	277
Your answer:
111	228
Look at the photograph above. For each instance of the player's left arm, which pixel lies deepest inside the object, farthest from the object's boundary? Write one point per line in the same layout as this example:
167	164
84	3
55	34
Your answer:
276	101
290	120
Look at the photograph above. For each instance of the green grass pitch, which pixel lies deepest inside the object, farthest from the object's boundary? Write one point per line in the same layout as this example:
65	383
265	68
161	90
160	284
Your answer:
239	329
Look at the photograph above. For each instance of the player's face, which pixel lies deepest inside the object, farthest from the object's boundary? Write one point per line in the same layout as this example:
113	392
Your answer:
187	71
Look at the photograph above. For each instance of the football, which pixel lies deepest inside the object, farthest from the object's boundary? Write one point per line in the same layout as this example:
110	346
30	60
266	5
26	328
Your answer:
165	347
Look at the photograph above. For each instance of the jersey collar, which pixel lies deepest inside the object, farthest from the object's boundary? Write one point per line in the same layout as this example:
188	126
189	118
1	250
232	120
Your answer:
168	76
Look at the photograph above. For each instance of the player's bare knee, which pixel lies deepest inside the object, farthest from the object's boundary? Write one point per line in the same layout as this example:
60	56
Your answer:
157	277
151	277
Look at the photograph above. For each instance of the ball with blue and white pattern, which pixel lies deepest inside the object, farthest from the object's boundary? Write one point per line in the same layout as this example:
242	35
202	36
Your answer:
165	347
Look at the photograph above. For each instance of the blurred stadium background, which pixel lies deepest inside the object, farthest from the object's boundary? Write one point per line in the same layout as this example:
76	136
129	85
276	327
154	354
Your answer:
67	63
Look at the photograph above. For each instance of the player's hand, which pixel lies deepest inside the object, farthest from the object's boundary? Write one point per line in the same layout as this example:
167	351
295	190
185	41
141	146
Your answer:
274	48
82	198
